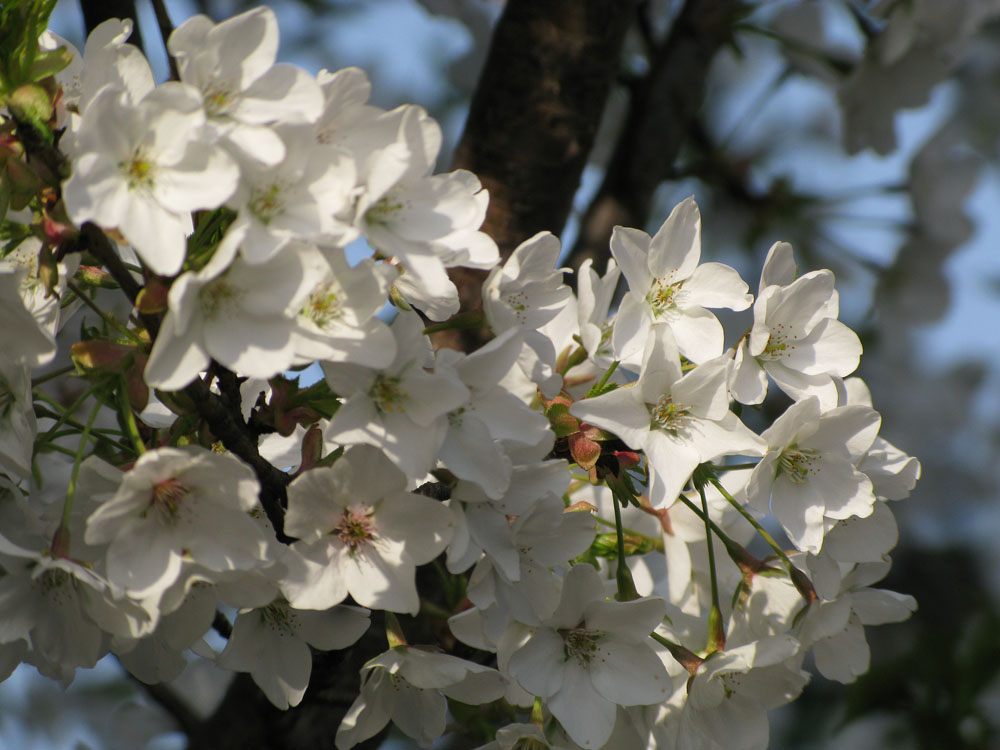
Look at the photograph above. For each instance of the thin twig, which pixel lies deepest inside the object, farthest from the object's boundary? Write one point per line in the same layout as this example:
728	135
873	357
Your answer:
166	29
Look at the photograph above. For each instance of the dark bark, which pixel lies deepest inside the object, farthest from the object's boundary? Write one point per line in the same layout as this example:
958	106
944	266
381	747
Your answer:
535	112
664	106
96	12
533	120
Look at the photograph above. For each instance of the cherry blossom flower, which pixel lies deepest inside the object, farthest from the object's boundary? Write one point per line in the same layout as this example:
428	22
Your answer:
408	686
527	292
141	168
809	473
178	504
400	408
272	644
242	315
295	200
667	286
679	420
337	322
796	337
588	657
232	65
360	533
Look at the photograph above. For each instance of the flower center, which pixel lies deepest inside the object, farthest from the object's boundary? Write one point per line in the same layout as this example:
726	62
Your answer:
218	296
277	617
387	394
355	529
530	743
267	203
167	496
218	98
663	295
731	682
797	464
323	305
455	417
667	416
383	211
139	170
518	304
55	582
580	643
778	345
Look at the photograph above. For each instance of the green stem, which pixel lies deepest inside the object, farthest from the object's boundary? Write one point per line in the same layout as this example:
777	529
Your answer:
64	412
129	418
801	581
656	543
626	586
597	388
64	418
106	317
753	522
735	550
716	631
52	375
71	488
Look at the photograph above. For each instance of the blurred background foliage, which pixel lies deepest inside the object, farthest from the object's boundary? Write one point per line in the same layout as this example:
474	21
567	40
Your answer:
864	133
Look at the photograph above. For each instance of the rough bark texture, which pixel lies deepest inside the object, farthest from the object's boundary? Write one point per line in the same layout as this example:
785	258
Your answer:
536	109
533	119
663	108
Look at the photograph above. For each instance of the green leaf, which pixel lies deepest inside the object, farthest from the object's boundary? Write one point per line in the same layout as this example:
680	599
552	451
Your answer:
49	62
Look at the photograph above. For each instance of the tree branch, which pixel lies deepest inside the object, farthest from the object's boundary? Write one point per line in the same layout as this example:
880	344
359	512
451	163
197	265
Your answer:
532	122
664	106
536	109
223	418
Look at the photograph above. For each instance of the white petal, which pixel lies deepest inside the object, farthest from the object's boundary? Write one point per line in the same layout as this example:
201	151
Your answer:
676	249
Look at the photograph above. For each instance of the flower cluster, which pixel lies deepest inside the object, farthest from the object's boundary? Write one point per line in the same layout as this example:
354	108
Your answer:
576	475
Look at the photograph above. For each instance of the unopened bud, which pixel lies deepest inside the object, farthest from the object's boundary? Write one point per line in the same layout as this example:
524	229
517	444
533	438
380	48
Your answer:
105	356
30	102
627	459
60	543
584	451
563	423
92	276
48	270
312	448
135	385
152	298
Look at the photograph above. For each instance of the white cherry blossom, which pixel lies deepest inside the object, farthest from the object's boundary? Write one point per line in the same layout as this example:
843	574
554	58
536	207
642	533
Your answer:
272	644
401	408
679	420
178	504
667	286
240	314
408	686
232	65
591	655
809	474
141	168
360	533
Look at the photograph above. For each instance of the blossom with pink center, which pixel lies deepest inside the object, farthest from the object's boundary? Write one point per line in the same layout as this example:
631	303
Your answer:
360	533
